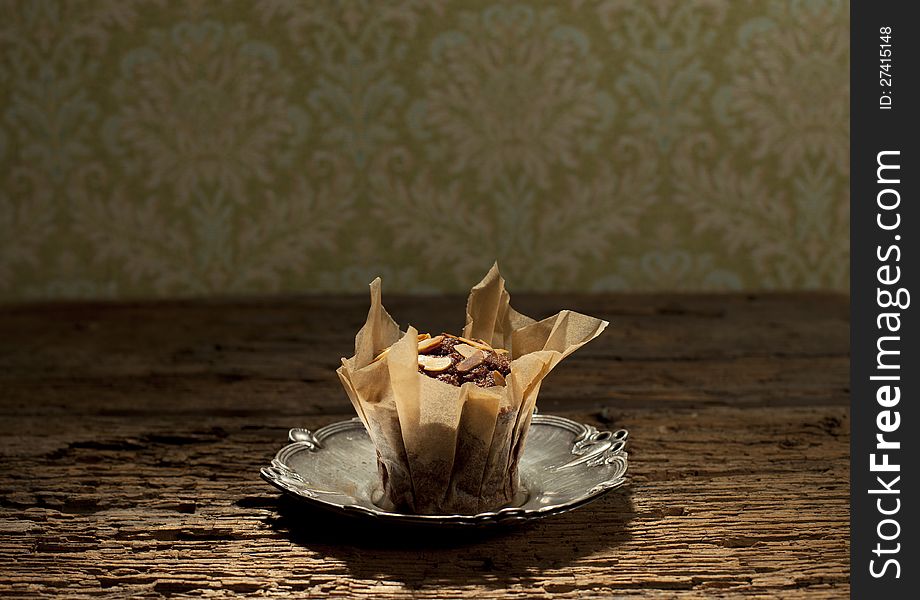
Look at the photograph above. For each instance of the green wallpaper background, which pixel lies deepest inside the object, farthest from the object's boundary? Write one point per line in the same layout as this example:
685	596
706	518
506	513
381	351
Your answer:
189	148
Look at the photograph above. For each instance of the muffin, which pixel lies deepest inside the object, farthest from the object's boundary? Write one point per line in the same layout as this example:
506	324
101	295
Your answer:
449	414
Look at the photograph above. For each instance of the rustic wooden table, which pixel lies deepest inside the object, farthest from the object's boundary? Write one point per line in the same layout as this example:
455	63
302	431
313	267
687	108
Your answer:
131	438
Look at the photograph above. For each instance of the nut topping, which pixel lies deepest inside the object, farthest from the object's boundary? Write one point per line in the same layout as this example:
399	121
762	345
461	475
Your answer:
464	350
434	364
472	361
457	360
426	345
481	345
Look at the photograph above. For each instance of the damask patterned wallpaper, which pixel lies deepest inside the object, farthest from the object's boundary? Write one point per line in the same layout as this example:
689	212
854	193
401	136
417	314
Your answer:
186	148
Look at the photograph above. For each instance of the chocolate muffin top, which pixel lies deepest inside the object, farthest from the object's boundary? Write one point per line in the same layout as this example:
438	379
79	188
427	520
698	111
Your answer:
457	360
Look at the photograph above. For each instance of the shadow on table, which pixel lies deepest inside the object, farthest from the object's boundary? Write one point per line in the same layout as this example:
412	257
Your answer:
493	557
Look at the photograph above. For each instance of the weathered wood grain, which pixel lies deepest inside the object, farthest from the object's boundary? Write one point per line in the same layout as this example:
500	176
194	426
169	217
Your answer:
131	436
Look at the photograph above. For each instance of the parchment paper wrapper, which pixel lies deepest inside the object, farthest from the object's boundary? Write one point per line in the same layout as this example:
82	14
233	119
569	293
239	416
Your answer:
447	449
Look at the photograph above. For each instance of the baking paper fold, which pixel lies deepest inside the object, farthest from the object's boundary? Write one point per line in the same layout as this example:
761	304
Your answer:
444	449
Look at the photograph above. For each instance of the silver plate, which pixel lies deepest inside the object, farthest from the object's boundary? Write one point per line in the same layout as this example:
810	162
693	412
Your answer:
564	465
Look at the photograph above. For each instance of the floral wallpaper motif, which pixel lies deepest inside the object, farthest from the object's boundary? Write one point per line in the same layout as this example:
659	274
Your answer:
154	148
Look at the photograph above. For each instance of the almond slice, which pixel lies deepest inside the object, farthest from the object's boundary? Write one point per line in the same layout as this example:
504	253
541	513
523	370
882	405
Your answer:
429	344
472	361
465	350
381	355
481	345
423	336
501	351
498	378
434	364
